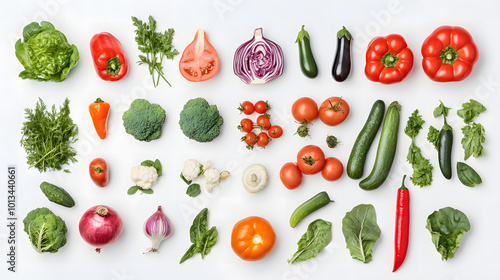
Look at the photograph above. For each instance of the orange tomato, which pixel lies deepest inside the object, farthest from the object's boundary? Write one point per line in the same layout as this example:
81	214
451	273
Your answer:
253	238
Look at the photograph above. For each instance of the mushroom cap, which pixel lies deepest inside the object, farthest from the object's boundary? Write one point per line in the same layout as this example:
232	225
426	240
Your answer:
254	178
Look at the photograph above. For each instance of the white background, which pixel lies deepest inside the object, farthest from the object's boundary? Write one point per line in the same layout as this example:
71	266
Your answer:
229	23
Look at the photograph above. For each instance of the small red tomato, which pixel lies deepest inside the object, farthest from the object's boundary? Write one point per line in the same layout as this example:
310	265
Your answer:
246	125
305	110
98	170
310	159
250	139
333	111
275	131
263	139
246	108
264	122
333	169
261	107
290	175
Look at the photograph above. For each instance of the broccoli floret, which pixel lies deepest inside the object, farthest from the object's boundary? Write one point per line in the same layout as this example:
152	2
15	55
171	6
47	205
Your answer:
45	230
144	120
200	121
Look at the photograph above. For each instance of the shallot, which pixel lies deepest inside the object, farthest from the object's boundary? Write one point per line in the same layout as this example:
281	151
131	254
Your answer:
157	228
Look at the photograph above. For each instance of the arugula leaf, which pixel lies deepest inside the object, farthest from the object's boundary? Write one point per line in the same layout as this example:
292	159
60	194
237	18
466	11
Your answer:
441	110
433	136
361	231
470	110
316	238
203	240
193	190
414	124
473	139
447	227
422	168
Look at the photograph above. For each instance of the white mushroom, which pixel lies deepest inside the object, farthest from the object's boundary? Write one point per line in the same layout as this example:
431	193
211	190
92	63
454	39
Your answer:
254	178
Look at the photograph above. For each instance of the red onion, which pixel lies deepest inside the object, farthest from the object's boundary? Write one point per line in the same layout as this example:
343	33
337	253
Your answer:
259	60
100	226
157	228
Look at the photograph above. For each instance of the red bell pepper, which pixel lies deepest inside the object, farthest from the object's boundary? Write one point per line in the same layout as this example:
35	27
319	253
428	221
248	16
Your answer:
110	61
449	54
388	59
402	232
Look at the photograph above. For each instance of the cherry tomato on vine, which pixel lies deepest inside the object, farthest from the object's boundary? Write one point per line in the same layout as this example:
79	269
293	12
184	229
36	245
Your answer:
310	159
290	175
261	107
333	111
250	139
275	131
305	110
333	169
253	238
246	108
246	125
264	122
263	139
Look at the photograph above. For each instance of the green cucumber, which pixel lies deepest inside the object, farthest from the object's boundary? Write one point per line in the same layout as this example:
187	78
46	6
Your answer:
57	195
306	208
356	163
386	149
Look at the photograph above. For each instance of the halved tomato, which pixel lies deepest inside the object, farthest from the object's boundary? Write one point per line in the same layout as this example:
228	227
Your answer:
199	61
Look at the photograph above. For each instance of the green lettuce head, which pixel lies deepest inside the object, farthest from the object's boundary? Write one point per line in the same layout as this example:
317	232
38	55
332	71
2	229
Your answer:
45	53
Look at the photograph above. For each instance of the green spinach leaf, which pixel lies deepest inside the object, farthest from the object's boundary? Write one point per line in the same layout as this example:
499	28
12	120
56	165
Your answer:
203	240
361	231
316	238
193	190
467	175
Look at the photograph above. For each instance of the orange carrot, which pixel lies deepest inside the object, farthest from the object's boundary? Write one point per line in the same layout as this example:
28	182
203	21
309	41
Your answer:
99	111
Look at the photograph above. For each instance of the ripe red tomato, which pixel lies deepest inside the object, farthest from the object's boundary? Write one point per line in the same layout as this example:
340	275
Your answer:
250	139
310	159
246	108
305	110
246	125
333	169
264	122
261	107
98	170
333	111
263	139
199	61
275	131
253	238
290	175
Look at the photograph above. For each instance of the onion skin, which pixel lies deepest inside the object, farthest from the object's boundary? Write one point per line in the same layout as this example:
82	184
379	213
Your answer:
157	228
258	60
100	226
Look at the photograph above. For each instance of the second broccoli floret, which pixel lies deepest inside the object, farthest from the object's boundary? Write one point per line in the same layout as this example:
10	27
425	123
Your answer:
144	120
200	121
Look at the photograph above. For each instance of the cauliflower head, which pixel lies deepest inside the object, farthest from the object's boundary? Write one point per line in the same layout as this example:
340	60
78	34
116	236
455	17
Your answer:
144	176
192	169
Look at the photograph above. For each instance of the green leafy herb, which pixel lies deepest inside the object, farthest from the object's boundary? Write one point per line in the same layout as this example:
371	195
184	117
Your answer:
361	231
155	46
467	175
422	168
47	137
156	164
186	180
203	239
447	227
441	110
193	190
132	190
470	110
433	136
473	139
316	238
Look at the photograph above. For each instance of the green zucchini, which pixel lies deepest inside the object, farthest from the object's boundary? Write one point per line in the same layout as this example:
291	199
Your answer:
356	163
307	62
306	208
386	149
444	150
57	195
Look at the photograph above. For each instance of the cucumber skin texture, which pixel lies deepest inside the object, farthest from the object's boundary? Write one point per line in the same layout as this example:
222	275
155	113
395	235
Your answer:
356	163
57	195
444	152
386	150
314	203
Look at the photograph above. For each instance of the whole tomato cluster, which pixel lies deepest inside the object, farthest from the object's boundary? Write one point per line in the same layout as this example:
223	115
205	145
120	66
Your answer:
263	122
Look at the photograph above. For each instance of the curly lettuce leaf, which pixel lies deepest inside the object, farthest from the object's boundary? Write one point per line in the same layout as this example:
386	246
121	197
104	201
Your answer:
414	124
433	136
470	110
473	140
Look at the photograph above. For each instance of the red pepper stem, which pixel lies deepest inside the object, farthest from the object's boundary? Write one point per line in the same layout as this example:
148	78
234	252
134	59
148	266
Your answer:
449	55
403	183
389	60
114	66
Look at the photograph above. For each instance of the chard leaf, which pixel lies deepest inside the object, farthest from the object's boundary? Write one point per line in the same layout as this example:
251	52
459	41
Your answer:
316	238
361	231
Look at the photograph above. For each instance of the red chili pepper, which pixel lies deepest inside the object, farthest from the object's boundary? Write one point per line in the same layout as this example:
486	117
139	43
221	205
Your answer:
109	57
388	59
402	225
449	54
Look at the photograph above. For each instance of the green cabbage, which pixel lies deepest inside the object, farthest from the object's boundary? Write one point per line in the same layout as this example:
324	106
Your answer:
45	53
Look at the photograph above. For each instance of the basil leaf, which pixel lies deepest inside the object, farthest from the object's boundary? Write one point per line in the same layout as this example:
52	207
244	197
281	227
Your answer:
208	241
132	190
467	175
447	227
157	166
361	231
316	238
199	226
193	190
148	163
146	191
